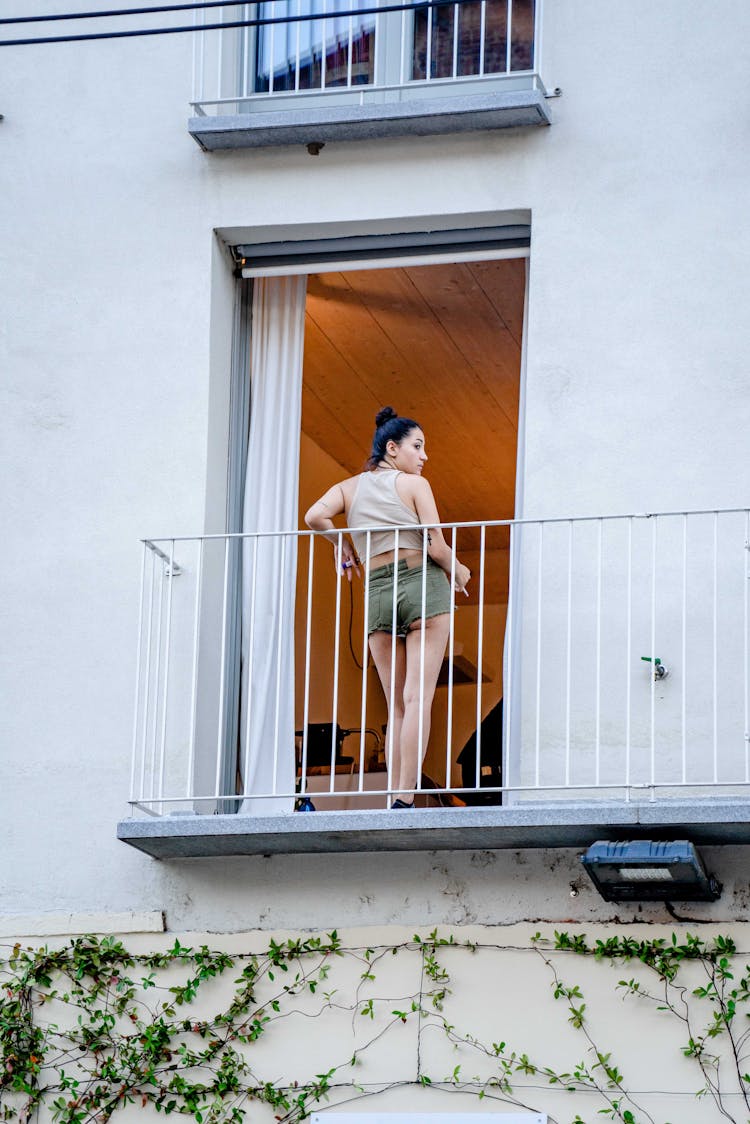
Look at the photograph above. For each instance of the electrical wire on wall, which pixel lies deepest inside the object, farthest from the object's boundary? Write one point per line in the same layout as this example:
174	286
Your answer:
150	10
307	17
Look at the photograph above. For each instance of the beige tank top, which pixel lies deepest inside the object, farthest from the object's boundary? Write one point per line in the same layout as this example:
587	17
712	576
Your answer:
376	503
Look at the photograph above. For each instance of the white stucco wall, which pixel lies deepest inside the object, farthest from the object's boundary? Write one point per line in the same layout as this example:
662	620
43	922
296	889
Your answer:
116	307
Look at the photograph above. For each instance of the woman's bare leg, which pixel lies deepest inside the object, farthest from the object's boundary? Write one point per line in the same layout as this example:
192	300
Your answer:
381	646
419	684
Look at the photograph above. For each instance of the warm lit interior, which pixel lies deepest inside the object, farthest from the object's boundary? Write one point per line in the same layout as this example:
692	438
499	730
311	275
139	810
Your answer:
441	344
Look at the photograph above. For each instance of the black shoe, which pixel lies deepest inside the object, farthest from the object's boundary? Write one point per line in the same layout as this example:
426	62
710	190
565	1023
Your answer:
305	804
401	804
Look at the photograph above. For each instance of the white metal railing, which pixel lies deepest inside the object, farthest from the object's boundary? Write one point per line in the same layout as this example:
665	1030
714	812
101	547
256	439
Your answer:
360	50
621	651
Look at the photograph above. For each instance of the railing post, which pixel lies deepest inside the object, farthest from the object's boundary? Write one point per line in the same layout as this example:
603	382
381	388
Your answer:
222	675
365	653
539	612
683	707
271	49
167	654
250	649
422	748
568	653
194	674
598	722
392	699
308	642
746	645
536	56
136	705
147	682
654	545
336	660
480	653
509	696
298	27
715	670
281	586
628	659
451	648
159	613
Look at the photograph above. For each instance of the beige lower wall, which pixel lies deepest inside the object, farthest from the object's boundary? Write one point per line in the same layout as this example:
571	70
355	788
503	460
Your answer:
441	1012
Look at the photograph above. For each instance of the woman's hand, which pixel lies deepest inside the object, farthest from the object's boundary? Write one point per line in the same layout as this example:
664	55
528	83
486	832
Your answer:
346	559
462	577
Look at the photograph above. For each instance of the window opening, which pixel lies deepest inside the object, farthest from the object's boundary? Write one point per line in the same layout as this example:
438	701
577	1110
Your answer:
442	344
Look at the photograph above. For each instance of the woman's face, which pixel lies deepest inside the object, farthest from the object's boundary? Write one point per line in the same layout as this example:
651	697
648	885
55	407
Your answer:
410	455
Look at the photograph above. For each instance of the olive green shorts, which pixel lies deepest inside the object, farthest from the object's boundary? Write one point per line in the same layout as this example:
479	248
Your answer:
408	587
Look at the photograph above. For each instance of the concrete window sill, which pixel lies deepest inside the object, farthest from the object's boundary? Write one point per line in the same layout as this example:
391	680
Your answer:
302	124
551	824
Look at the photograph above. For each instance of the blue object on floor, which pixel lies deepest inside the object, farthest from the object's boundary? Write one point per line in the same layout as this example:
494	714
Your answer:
305	804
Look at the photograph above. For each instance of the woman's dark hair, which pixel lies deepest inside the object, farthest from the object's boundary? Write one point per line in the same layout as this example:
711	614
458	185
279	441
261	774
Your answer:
388	427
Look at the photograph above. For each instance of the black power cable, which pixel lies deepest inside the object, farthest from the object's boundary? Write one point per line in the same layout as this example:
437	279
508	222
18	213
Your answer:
307	17
357	664
151	11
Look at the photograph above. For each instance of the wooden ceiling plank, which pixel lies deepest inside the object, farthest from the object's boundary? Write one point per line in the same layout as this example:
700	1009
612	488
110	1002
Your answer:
337	383
365	343
370	352
504	284
430	349
318	423
477	331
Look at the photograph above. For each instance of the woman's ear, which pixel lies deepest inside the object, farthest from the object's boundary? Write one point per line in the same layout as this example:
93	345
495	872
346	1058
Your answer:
391	448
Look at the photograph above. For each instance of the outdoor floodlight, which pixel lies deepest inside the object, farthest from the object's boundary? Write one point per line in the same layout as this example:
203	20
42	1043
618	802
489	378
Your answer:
645	871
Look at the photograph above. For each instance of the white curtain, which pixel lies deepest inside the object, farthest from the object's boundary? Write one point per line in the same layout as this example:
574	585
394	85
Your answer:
269	564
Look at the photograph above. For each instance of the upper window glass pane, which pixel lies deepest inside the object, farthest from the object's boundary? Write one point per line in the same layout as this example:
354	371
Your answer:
334	50
473	37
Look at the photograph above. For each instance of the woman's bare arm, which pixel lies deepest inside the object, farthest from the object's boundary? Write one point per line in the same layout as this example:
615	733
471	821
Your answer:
438	548
320	517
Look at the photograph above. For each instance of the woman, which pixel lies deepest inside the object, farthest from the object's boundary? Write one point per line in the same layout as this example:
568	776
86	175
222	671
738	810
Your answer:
392	493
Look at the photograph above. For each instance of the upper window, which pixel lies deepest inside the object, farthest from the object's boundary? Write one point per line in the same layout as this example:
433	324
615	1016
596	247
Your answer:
338	44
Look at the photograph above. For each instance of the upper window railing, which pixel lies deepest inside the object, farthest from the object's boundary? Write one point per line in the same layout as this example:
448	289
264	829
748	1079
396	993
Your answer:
356	48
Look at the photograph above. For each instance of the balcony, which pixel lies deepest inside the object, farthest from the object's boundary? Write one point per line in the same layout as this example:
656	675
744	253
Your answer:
331	70
595	683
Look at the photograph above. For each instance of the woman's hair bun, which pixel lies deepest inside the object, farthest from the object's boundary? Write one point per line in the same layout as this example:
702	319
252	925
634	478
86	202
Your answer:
384	416
388	427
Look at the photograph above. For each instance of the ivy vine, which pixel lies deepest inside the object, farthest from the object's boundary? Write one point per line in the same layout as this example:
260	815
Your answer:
91	1026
